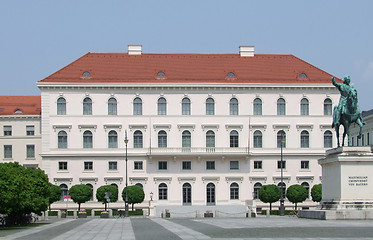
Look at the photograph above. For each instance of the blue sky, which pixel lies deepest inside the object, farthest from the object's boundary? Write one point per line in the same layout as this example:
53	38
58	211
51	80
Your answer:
40	37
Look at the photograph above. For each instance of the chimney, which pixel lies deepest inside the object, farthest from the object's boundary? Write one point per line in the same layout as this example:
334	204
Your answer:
247	51
134	49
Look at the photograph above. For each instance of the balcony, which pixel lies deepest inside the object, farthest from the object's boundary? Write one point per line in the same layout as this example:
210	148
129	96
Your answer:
198	151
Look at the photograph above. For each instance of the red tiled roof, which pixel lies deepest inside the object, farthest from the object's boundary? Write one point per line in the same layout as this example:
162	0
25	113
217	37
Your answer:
20	105
189	68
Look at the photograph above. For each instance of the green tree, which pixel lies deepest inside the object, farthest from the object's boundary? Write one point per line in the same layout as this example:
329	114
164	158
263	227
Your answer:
101	193
80	194
55	194
296	193
316	193
22	191
135	195
269	194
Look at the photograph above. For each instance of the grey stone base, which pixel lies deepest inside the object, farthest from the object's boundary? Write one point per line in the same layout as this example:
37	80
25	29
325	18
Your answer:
337	214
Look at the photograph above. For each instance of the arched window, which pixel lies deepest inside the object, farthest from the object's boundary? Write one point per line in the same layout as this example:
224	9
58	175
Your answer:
161	75
86	75
258	139
162	191
327	107
185	106
281	107
113	139
162	106
307	187
61	106
137	106
304	139
115	185
281	139
210	194
112	106
186	140
257	187
304	107
283	188
233	106
210	106
230	75
87	106
62	139
233	139
140	185
187	194
91	186
257	106
162	139
210	141
65	191
87	139
234	191
137	139
328	139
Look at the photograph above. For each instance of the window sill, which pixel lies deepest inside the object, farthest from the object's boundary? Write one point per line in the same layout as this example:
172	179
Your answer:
88	171
62	171
305	170
138	170
258	170
113	171
30	159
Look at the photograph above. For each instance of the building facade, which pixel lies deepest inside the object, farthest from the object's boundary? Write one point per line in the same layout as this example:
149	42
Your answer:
367	132
205	131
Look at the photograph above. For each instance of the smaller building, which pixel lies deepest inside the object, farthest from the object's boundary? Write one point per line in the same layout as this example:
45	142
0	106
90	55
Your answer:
20	136
366	138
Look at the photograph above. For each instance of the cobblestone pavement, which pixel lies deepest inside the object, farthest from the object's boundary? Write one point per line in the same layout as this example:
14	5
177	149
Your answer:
206	228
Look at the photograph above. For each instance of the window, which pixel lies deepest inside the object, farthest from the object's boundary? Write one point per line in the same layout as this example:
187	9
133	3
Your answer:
327	107
161	75
234	191
113	139
257	187
210	194
62	139
64	191
283	188
186	140
328	139
362	140
210	141
162	165
304	139
162	139
87	106
87	139
283	164
230	75
258	164
281	139
138	165
8	151
86	75
30	130
186	165
112	106
304	107
61	106
307	187
368	139
233	106
281	107
113	166
88	166
7	130
62	166
30	151
257	106
210	106
187	194
140	185
352	141
137	106
137	139
162	191
210	165
305	164
302	75
162	106
233	139
234	165
258	139
185	106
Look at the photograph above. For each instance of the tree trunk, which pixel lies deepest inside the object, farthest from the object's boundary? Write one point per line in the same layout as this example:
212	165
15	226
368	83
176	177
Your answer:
132	206
270	208
78	207
105	207
295	206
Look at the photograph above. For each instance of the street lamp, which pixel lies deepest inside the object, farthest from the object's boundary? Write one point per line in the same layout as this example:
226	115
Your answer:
282	207
126	214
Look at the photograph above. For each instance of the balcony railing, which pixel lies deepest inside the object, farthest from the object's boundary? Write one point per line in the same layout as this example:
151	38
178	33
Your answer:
191	150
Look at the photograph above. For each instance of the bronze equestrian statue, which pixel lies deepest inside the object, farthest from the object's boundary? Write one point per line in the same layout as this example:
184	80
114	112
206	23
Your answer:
347	111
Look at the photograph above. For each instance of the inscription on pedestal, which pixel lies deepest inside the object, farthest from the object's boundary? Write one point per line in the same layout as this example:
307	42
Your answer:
357	181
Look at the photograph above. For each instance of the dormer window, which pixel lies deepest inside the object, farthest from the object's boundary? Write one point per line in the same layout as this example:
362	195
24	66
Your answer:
18	111
161	75
302	75
86	75
231	75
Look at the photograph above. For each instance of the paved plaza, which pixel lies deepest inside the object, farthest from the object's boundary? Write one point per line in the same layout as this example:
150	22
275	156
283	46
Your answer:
273	227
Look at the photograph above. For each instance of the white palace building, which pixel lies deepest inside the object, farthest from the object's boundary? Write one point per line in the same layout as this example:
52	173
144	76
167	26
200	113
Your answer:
204	130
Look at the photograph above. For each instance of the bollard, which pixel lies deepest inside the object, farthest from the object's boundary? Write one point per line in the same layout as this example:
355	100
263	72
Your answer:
92	213
75	214
110	213
46	214
268	213
59	214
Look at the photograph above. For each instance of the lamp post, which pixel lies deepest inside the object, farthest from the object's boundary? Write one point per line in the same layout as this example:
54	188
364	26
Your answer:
282	207
126	214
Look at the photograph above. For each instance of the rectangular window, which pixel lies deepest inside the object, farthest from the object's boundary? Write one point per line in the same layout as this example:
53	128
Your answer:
186	165
113	166
234	165
62	165
368	139
258	164
162	165
88	166
210	165
30	151
138	165
7	130
279	164
304	164
30	130
8	151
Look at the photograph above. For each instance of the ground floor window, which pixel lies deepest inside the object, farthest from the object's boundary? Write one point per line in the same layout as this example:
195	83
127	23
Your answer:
210	194
187	194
